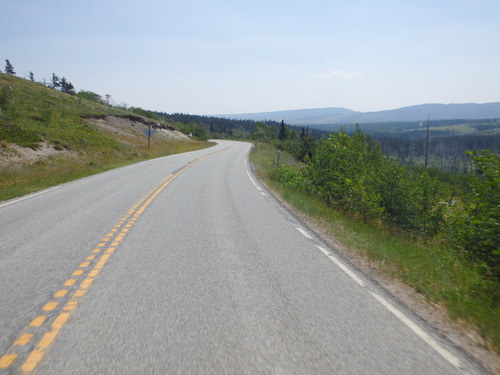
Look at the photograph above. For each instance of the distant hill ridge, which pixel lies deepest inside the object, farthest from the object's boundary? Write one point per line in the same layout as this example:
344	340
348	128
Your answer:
323	116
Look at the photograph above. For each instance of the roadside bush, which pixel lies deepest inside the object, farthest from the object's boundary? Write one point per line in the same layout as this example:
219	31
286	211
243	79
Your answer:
288	175
344	172
475	229
352	174
429	215
397	195
194	129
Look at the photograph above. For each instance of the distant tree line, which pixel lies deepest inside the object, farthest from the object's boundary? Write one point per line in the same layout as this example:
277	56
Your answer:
447	148
299	141
414	129
447	153
219	127
211	126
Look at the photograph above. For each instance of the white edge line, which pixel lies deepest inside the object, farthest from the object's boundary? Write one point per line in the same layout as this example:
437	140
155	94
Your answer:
341	265
28	196
418	331
250	176
304	232
403	318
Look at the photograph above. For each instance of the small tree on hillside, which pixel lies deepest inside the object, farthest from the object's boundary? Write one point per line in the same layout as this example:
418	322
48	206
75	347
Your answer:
107	99
303	133
66	86
282	131
54	82
32	77
9	69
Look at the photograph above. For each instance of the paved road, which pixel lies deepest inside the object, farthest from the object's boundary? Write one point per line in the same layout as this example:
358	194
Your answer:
185	264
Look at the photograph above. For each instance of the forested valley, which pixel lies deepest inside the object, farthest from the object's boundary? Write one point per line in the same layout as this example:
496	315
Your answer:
406	142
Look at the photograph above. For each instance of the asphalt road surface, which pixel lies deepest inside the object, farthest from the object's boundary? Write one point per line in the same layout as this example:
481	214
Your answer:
187	265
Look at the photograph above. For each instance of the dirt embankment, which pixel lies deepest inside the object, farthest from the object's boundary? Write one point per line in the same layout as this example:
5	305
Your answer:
133	126
128	128
14	154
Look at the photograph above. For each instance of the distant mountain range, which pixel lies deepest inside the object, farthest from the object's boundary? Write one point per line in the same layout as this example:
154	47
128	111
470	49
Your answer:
325	116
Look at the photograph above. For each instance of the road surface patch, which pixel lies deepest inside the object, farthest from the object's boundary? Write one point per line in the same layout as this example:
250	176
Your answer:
59	308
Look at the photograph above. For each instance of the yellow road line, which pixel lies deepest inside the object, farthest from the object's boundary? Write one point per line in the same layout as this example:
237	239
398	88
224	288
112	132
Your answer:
49	306
38	321
60	293
6	360
23	339
48	338
69	282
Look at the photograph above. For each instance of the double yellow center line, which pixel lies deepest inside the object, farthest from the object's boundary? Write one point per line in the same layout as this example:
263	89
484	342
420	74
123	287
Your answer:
55	313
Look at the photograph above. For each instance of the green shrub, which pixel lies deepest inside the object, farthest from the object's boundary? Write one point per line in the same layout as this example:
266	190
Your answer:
91	96
476	227
344	171
352	174
397	195
428	215
4	98
145	113
288	175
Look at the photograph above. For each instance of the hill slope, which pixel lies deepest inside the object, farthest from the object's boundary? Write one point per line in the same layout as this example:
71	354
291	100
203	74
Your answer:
37	122
48	137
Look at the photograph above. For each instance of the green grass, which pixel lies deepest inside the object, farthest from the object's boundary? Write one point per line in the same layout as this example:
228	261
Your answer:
430	268
20	179
32	113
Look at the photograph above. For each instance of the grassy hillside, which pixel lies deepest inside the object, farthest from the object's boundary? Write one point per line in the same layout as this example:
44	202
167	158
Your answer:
38	118
31	112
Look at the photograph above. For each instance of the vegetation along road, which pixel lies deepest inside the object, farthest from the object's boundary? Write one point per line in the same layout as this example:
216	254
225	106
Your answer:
186	264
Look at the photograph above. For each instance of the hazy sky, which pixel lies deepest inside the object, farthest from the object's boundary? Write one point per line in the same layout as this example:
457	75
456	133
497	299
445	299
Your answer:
235	56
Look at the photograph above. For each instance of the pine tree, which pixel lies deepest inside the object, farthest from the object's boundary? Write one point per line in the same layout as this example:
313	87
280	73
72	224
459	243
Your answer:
282	131
55	83
66	86
9	69
303	133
